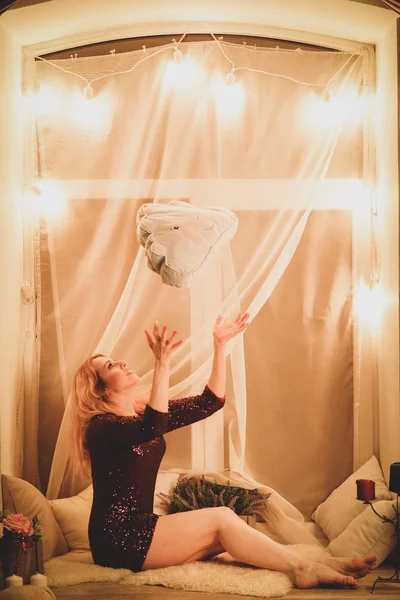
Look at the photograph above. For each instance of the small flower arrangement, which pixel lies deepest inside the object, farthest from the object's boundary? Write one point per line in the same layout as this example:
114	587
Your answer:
18	534
193	493
19	527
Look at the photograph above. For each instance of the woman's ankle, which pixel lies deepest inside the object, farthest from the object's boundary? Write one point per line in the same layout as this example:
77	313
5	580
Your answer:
298	563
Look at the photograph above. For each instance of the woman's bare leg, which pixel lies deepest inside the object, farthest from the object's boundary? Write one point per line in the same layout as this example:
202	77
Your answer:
193	535
184	537
250	546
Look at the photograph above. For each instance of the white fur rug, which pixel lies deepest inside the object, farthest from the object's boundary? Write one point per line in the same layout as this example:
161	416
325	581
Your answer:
221	574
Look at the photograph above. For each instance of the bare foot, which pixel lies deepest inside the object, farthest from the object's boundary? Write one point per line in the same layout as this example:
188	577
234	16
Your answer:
355	567
313	574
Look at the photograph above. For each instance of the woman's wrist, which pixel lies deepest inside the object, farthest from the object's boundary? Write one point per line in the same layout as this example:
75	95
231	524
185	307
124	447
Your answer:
161	364
219	344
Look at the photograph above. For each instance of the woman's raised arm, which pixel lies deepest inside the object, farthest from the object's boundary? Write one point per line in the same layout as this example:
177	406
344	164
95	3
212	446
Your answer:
222	333
162	347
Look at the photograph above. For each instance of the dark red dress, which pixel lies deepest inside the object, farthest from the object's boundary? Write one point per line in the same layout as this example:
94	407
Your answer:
125	454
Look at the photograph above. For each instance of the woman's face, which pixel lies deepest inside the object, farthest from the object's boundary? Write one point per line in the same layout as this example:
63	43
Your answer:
116	374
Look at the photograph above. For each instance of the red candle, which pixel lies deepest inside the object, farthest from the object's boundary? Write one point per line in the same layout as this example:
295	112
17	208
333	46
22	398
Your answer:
365	489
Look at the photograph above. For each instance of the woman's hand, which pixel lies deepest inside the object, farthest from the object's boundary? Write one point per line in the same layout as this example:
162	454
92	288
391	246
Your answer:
162	346
223	331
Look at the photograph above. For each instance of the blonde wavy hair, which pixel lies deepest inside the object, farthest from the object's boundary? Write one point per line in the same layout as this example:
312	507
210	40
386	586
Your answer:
89	398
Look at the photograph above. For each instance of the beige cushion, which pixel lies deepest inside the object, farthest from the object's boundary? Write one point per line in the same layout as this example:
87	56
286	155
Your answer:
165	482
317	533
72	515
342	506
19	496
367	534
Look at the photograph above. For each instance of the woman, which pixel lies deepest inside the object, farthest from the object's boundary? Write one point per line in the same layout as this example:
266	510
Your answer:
124	450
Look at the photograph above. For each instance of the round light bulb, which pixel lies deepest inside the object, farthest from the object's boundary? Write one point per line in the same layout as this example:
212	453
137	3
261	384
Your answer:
230	78
328	94
178	56
365	90
36	190
88	92
31	90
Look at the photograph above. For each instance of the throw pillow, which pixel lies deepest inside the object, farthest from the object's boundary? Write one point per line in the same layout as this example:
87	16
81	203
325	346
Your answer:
179	238
367	534
19	496
342	506
72	515
164	484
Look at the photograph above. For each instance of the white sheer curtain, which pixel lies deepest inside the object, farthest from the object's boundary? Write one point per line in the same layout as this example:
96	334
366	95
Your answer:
276	148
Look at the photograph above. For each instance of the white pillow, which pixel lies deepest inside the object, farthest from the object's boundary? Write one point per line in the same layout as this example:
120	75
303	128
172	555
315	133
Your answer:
165	482
72	515
342	506
179	238
19	496
367	534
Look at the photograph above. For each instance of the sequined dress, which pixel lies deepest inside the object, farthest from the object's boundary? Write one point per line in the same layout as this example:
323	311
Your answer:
125	454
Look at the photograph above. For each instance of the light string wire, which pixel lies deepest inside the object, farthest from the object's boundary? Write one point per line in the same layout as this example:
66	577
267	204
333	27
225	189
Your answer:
250	69
89	81
176	45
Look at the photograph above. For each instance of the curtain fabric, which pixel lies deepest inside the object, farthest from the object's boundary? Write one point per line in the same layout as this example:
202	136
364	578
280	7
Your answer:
281	146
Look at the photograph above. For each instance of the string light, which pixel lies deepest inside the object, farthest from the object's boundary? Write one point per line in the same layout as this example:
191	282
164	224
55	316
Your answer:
177	55
88	92
36	190
48	100
230	77
369	303
365	96
324	108
374	202
365	90
331	109
229	97
31	90
178	58
93	113
47	199
369	299
182	75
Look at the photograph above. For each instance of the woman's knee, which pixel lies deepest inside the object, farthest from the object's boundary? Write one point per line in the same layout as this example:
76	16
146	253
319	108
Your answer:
225	515
184	537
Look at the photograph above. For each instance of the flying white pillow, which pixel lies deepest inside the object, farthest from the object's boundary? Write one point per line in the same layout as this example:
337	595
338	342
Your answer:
179	238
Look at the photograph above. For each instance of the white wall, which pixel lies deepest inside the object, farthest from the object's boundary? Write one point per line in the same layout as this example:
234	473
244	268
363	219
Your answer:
388	252
11	152
66	21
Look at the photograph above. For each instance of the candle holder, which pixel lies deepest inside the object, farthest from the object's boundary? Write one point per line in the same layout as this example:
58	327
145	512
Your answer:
366	492
395	522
